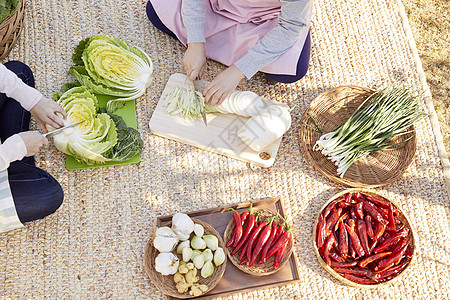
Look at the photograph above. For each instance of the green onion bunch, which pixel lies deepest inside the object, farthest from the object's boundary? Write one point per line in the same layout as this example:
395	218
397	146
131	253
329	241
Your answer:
380	118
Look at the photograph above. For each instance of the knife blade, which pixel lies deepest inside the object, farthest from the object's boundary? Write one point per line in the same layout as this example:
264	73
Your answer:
198	89
59	130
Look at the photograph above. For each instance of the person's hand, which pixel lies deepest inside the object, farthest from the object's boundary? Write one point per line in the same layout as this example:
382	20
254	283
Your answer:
33	140
45	113
194	60
224	83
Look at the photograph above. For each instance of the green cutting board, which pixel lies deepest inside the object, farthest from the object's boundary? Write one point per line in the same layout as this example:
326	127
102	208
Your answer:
128	113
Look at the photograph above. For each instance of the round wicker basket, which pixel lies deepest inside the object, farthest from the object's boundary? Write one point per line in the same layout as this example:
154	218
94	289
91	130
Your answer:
401	217
264	268
10	30
166	283
331	109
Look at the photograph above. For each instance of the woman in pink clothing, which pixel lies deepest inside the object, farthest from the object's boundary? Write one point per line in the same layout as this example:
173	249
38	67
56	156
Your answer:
248	36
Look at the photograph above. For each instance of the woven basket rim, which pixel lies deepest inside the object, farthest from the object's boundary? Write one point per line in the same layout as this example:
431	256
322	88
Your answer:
166	283
267	267
369	178
16	22
407	223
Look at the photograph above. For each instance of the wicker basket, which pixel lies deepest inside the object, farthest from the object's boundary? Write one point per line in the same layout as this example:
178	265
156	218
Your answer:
10	30
166	283
412	239
264	268
331	109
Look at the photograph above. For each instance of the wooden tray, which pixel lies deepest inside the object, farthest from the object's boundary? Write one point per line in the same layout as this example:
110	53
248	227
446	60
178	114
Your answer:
220	136
234	280
331	109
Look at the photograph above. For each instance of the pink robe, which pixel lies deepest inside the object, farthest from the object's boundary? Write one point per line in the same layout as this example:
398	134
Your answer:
233	27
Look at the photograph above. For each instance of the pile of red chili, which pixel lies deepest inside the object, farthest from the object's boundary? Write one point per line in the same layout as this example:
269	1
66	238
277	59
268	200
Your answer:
261	239
362	238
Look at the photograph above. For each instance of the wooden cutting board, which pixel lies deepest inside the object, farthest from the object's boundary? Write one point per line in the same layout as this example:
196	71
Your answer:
219	136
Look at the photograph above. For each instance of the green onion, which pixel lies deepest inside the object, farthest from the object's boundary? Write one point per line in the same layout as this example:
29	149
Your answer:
380	118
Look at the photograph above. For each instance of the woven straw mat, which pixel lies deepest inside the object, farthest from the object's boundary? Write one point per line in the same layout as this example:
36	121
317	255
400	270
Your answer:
92	247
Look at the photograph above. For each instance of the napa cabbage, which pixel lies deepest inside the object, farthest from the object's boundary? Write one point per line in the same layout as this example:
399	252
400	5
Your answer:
101	138
108	66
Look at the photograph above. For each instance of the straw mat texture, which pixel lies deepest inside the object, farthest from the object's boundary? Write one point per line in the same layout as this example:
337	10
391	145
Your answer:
92	247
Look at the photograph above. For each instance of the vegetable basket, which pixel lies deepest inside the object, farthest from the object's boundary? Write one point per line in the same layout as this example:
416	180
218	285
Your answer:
411	238
166	283
10	30
330	110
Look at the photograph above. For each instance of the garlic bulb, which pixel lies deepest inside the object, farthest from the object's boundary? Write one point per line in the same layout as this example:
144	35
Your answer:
182	225
165	239
166	263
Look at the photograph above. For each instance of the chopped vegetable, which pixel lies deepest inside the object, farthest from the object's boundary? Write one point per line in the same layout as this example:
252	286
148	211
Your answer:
198	243
187	254
380	118
199	230
207	269
108	66
207	255
219	256
211	241
182	245
199	261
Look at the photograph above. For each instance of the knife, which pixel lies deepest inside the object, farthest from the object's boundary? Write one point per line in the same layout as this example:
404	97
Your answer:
198	89
59	130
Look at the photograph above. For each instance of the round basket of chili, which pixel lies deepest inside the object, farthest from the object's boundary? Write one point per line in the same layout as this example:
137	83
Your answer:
363	239
258	241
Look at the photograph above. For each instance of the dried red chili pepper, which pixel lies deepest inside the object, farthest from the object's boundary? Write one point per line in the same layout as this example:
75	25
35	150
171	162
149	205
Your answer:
327	248
343	240
379	231
377	201
400	244
331	221
391	215
268	243
336	257
391	241
279	255
261	241
363	263
329	208
394	258
348	198
359	210
362	234
409	251
354	271
252	239
243	240
394	270
322	232
340	220
238	227
286	236
353	214
356	243
345	204
343	264
359	280
372	210
369	228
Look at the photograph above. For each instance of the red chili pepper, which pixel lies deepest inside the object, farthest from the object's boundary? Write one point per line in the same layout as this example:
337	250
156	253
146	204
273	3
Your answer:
344	264
356	243
238	227
345	204
362	234
327	248
268	243
359	280
243	240
391	241
379	231
394	258
363	263
377	201
340	220
332	220
359	210
409	251
286	236
400	244
279	255
369	228
244	216
343	240
351	250
353	214
279	233
329	208
243	252
244	261
336	257
353	271
231	240
372	210
261	241
321	231
391	216
394	270
252	239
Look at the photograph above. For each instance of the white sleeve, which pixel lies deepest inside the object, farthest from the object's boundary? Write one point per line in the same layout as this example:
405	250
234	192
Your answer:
11	150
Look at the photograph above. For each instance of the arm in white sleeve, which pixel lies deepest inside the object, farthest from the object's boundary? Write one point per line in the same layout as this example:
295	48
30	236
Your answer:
11	150
16	89
292	20
193	15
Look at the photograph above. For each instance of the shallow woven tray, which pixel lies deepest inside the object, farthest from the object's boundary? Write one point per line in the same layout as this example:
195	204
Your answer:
376	169
166	283
264	268
10	30
401	217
